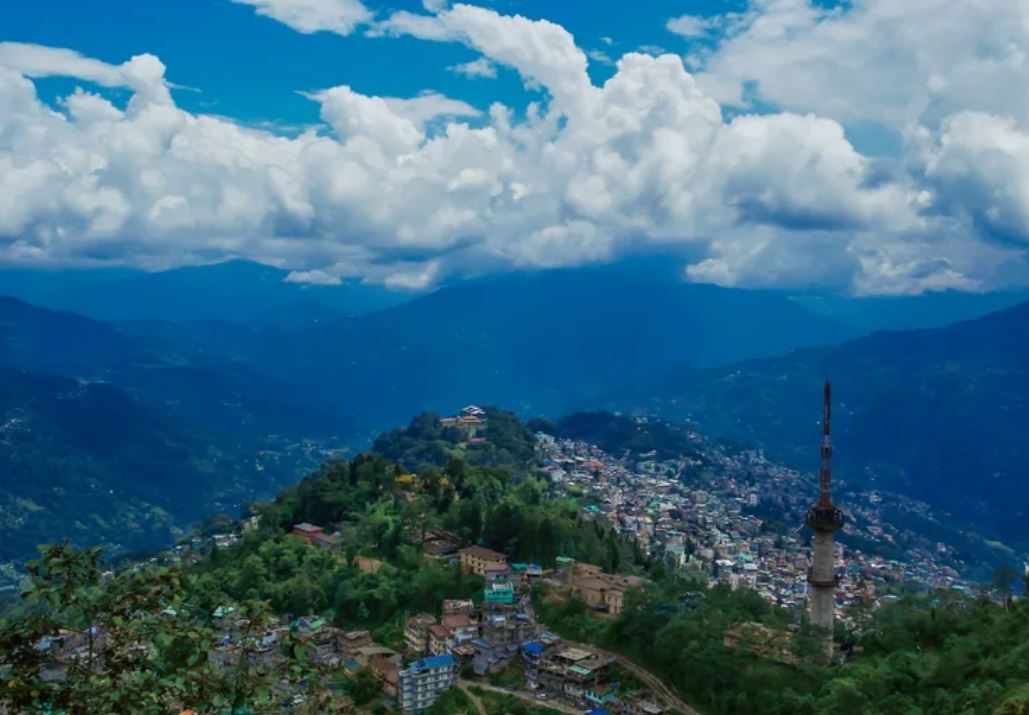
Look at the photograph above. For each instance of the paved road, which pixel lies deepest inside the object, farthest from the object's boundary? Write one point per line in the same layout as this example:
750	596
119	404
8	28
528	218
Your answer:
553	704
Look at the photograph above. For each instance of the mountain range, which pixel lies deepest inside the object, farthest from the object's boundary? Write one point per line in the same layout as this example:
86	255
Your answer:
232	290
541	343
940	414
85	461
936	412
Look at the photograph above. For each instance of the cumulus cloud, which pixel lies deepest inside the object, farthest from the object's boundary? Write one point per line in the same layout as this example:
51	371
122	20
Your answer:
143	74
873	60
338	16
406	191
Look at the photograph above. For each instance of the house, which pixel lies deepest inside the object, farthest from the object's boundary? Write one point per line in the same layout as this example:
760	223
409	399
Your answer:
491	657
601	591
439	639
462	627
499	591
350	641
423	681
362	657
440	544
532	654
601	694
480	560
416	634
453	606
306	531
507	628
387	672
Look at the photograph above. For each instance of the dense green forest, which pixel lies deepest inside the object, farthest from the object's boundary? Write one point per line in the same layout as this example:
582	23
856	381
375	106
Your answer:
940	653
88	462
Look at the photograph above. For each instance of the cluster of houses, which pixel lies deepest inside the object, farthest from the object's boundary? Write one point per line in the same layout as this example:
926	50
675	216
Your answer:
503	631
412	688
717	528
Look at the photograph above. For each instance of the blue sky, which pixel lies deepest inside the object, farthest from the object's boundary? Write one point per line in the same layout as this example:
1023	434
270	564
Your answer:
250	67
869	147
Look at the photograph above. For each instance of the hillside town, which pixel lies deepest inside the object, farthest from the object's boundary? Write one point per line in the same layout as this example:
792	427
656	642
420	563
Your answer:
723	527
464	642
729	517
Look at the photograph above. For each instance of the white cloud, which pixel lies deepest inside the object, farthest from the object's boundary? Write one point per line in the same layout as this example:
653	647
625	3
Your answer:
403	22
480	67
313	277
406	191
143	74
692	26
979	166
338	16
875	60
39	61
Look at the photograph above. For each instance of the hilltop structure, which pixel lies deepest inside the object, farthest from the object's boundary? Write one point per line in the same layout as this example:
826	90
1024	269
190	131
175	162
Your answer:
824	519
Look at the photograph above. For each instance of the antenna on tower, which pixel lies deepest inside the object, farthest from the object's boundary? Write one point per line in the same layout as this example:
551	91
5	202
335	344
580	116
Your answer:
824	515
825	474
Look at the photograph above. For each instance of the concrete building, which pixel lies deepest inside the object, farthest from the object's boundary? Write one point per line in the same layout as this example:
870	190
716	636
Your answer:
439	639
601	591
422	682
416	634
498	592
480	560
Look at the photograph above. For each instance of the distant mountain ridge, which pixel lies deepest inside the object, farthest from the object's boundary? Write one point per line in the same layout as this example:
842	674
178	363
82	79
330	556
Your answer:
216	393
940	413
87	462
233	290
538	342
551	342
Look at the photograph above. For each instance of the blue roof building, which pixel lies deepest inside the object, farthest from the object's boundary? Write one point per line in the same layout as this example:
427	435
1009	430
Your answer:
422	682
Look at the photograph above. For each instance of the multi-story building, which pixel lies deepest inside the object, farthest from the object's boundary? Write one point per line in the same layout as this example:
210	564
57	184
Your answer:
416	634
480	560
422	682
602	591
499	591
439	639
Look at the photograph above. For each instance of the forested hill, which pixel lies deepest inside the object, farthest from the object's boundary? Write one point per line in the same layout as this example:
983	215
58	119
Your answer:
941	653
87	462
383	511
502	441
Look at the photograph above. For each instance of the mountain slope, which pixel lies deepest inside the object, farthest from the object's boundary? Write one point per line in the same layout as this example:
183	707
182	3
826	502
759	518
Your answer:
215	392
541	343
941	414
233	290
88	463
